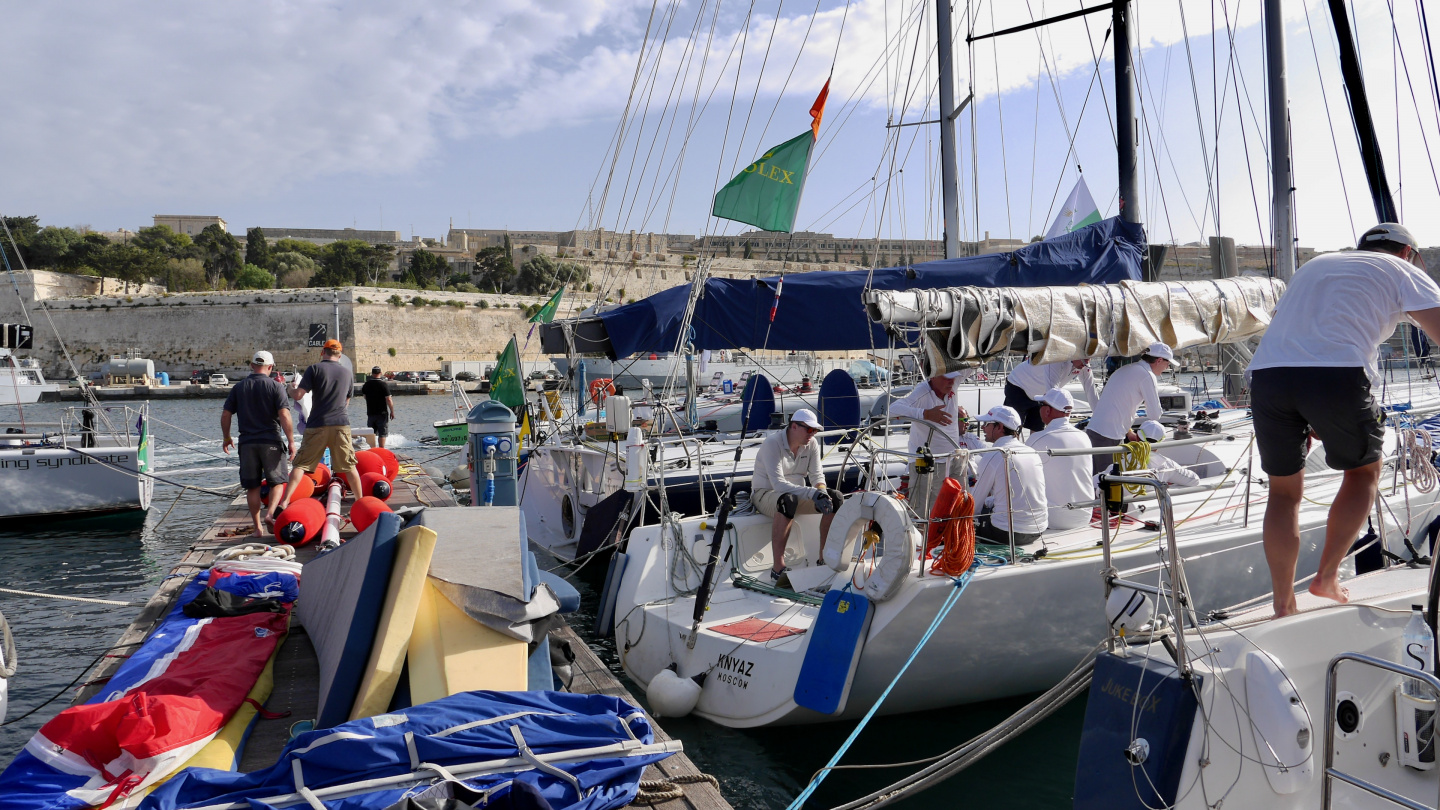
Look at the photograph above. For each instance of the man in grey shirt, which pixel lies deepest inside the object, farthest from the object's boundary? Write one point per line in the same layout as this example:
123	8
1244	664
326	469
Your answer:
331	383
263	413
788	481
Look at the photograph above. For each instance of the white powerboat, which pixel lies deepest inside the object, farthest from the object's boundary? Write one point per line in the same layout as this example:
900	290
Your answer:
98	461
21	381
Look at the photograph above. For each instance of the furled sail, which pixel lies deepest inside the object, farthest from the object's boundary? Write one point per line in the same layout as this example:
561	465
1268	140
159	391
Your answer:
964	325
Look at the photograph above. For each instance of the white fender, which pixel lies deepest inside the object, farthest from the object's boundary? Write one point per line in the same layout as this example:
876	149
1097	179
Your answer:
670	695
898	553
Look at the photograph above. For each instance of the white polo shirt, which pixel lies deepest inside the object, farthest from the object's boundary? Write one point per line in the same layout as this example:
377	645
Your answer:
940	439
783	471
1036	380
1339	307
1068	479
1027	488
1123	393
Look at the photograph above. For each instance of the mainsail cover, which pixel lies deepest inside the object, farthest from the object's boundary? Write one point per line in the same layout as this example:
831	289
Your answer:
964	325
823	311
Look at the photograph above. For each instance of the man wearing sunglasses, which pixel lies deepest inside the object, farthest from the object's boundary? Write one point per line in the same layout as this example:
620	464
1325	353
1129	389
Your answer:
788	482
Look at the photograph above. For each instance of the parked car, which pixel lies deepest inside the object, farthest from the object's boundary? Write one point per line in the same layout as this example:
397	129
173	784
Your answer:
445	376
430	376
199	376
219	379
407	376
466	376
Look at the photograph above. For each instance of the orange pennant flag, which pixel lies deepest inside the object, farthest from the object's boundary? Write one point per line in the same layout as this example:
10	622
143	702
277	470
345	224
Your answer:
817	110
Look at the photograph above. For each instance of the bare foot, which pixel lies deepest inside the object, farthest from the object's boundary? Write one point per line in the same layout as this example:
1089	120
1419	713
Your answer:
1330	589
1286	606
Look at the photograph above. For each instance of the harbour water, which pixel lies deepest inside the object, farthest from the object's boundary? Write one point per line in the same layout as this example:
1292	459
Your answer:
59	640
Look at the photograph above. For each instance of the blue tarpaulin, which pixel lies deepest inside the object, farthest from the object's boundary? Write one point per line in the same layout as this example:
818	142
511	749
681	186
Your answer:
823	311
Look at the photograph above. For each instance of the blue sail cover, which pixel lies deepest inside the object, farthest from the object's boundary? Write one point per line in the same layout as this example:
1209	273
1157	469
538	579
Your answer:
823	311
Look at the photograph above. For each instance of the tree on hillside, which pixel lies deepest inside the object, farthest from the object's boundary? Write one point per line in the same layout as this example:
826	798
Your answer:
89	255
292	269
543	274
254	278
131	264
22	229
304	248
161	240
50	247
220	252
257	250
185	275
377	262
493	269
342	264
427	268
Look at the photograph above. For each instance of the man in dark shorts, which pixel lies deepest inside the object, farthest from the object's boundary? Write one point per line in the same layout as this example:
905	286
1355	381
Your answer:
379	407
328	427
1313	372
265	434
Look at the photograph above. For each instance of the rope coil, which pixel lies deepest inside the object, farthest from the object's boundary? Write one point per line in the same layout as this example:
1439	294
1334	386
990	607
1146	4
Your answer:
1417	449
658	791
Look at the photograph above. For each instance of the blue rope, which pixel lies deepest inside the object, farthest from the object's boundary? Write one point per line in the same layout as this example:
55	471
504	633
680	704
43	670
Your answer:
950	601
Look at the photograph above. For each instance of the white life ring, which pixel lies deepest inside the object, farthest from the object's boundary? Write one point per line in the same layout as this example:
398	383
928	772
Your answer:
900	542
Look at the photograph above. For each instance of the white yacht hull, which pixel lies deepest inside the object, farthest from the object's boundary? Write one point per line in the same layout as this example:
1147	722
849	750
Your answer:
48	482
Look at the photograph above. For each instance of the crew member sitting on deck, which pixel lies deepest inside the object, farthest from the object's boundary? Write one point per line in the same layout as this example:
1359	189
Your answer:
1067	478
1027	383
936	423
788	481
1126	388
1166	469
1019	504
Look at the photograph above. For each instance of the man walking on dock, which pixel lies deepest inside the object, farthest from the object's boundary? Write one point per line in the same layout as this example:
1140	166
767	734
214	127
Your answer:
265	433
330	383
379	405
1313	373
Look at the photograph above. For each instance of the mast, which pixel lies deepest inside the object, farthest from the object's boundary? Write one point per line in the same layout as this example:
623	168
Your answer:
1282	189
1126	145
1360	112
949	171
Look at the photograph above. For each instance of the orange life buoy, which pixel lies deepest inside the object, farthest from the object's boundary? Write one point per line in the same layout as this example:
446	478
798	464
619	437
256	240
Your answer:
604	384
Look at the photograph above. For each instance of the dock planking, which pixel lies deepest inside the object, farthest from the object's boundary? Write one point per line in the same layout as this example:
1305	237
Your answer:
296	670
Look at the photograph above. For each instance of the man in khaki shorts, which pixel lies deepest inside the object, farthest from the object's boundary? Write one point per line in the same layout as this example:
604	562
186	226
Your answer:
788	481
328	427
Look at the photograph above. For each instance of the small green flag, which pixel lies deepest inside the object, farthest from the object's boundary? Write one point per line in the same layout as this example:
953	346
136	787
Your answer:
547	312
507	385
767	193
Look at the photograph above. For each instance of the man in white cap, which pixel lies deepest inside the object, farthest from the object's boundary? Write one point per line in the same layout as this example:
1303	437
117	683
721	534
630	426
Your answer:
788	481
265	434
1313	372
1018	505
1068	479
1027	383
1124	391
936	419
1166	469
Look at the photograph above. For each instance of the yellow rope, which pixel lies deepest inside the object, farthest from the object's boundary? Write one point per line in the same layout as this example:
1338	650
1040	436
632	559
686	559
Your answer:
1135	458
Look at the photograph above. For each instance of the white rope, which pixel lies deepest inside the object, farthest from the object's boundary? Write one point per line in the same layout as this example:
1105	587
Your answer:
71	598
1416	448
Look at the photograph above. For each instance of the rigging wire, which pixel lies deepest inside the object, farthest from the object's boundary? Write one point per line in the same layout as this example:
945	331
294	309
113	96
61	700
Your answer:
1330	121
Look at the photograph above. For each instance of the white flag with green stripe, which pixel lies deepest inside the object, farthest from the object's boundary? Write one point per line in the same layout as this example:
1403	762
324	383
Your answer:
1078	211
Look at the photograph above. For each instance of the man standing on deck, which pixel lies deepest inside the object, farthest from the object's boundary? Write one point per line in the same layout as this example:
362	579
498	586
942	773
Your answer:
330	384
1027	383
1313	372
265	433
379	405
936	420
788	481
1124	391
1067	478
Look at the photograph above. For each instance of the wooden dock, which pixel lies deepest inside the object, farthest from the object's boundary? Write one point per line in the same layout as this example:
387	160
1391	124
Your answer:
296	669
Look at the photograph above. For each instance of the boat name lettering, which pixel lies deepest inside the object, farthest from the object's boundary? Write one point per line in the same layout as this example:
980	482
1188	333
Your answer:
74	461
739	666
1125	694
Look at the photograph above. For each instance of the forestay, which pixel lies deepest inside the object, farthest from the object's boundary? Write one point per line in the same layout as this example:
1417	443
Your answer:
962	325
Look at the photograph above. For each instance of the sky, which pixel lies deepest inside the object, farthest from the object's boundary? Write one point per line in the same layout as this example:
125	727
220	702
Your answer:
507	113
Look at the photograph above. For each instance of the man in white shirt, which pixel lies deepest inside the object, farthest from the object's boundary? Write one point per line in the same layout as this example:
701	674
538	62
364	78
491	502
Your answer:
1124	391
1067	478
788	481
1027	384
1166	469
1313	372
935	421
1018	505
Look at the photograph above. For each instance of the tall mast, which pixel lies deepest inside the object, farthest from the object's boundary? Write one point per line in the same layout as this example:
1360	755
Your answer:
1126	144
1282	188
1360	111
949	172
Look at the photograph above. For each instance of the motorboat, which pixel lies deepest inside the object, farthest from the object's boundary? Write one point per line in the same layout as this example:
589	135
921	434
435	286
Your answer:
21	380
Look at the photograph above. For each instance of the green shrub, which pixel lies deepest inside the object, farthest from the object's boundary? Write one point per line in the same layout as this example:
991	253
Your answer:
360	299
396	300
391	350
418	301
453	303
483	305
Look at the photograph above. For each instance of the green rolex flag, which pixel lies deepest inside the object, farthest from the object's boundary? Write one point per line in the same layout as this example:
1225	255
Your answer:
767	193
507	385
547	312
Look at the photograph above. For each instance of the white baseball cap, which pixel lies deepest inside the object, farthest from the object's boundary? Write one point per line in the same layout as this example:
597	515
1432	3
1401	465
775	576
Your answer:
262	358
806	417
1059	399
1004	414
1161	351
1152	430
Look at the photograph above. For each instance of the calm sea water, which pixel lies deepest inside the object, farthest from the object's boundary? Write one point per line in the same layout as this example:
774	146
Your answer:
765	768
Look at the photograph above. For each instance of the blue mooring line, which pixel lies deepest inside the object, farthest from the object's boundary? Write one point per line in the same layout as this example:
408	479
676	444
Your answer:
950	601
